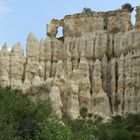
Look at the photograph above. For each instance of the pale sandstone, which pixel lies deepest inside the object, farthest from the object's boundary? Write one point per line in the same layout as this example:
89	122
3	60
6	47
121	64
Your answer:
17	66
5	59
95	65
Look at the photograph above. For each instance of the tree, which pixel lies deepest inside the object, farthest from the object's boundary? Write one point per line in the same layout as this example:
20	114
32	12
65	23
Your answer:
86	10
128	6
23	119
121	134
83	112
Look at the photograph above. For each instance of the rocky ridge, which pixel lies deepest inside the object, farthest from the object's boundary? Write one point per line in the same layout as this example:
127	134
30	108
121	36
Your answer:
95	65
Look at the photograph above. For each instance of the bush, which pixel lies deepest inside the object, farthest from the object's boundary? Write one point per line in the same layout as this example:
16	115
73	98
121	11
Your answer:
128	6
86	10
103	135
121	134
83	112
22	119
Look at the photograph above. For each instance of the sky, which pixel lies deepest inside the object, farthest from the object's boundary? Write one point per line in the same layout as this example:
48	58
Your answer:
19	17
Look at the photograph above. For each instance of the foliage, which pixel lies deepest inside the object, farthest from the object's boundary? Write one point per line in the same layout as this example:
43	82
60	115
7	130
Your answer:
102	134
86	10
128	6
121	134
131	123
54	130
83	112
82	129
23	119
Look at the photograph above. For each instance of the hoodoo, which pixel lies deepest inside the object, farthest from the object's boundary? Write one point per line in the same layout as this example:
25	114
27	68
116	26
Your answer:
94	65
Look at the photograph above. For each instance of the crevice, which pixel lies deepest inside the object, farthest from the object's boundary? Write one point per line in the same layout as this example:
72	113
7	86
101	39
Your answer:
45	61
52	52
24	69
113	53
105	22
109	84
61	39
116	90
108	44
94	42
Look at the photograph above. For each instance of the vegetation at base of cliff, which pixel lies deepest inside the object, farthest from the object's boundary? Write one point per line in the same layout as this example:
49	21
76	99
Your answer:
23	119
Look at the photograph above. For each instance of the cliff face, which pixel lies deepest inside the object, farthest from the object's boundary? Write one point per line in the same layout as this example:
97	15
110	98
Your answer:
95	65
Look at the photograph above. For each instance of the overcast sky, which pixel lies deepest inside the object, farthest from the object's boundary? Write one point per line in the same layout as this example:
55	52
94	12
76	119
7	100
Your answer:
19	17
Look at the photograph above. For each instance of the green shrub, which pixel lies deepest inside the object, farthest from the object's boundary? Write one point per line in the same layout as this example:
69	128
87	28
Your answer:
83	112
86	10
128	6
121	134
136	135
103	135
22	119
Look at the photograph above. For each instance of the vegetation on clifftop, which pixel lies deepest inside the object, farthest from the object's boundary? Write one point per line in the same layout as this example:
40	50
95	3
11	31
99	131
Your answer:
86	10
128	6
23	119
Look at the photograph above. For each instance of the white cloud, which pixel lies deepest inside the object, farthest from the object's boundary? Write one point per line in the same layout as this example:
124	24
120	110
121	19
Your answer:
4	9
9	49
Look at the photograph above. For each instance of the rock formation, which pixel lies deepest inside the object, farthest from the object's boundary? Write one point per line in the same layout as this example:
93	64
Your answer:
17	66
95	65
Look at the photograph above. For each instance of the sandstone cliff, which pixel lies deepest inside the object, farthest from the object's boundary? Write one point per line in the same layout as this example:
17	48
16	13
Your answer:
95	65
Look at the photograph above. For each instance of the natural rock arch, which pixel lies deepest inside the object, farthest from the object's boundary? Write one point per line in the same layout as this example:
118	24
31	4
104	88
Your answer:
53	27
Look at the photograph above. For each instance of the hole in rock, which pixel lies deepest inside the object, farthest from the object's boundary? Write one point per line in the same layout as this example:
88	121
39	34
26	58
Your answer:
59	32
133	18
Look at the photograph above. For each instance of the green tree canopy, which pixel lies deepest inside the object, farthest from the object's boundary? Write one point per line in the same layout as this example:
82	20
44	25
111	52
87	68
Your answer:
23	119
128	6
86	10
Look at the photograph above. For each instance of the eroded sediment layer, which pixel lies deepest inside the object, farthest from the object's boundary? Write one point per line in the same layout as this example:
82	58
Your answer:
96	65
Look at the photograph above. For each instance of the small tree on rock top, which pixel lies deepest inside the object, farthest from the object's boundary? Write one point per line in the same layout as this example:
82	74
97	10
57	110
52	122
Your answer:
128	6
86	10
